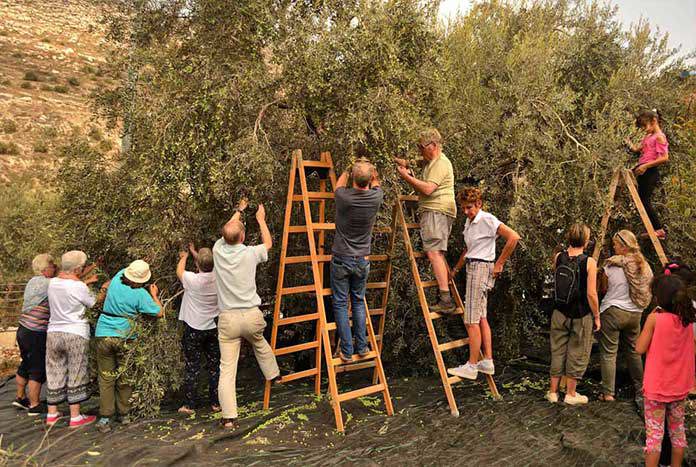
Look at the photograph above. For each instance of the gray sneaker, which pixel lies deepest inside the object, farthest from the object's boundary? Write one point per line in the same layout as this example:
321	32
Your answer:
486	366
467	371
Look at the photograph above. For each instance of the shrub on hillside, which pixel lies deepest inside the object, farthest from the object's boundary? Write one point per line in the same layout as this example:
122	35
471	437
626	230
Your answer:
8	126
60	89
26	85
73	81
10	148
31	75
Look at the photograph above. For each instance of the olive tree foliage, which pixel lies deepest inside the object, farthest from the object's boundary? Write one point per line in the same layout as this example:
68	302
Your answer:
534	100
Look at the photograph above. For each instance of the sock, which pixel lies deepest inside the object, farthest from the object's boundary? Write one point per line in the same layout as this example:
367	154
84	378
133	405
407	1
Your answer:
53	415
76	419
445	296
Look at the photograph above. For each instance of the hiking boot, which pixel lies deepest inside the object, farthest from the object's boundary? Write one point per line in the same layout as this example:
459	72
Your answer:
37	410
444	307
21	403
486	366
82	420
577	399
364	352
104	425
551	397
344	358
467	371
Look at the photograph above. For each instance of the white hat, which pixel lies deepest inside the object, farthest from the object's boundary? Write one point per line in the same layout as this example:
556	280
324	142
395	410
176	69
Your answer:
138	271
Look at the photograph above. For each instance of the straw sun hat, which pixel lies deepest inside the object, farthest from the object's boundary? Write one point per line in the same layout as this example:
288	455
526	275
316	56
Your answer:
138	271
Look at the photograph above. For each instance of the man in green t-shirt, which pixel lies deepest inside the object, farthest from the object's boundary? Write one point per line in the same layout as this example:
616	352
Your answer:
437	208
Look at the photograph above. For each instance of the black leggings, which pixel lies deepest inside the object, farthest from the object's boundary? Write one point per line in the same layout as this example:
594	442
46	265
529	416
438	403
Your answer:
646	186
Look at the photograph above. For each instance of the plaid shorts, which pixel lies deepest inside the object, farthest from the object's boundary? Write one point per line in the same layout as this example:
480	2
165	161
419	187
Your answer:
479	280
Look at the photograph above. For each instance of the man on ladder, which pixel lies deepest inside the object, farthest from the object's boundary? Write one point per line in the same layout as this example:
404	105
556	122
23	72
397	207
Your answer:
437	209
356	212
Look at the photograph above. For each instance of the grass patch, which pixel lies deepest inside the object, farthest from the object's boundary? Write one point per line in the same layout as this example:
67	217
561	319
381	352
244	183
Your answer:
46	87
60	89
41	147
17	55
73	81
8	126
26	85
31	76
9	148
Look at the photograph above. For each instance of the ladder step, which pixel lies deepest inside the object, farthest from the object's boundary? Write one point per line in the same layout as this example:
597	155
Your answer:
297	348
346	396
453	344
382	230
408	197
315	196
298	319
378	258
319	164
356	358
376	285
356	366
412	225
426	284
315	226
419	254
373	312
376	311
302	289
306	259
298	375
454	379
434	315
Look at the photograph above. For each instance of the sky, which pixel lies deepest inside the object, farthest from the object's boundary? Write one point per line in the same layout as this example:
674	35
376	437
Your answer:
676	17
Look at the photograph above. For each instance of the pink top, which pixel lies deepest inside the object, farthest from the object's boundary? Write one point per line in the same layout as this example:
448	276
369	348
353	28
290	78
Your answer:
669	365
651	148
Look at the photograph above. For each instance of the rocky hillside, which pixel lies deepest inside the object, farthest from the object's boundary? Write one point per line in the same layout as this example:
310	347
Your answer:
52	54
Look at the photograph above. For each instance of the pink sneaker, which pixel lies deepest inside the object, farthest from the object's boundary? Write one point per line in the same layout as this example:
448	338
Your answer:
51	420
84	420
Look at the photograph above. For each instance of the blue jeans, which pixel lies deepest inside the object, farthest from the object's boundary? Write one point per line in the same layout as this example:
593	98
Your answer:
349	277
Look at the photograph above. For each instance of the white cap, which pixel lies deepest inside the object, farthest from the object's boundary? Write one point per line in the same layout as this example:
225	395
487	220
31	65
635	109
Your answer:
138	271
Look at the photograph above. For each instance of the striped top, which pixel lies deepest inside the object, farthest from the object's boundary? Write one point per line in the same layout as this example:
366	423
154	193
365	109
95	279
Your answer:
35	311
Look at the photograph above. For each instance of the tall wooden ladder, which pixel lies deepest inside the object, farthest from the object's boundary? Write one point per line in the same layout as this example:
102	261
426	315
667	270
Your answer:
629	180
405	202
316	239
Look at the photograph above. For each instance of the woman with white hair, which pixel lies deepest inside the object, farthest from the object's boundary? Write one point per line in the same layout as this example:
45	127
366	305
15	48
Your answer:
31	336
67	342
626	278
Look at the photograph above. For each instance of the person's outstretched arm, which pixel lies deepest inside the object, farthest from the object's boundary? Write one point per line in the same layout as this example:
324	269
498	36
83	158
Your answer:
181	265
342	181
239	209
154	292
265	232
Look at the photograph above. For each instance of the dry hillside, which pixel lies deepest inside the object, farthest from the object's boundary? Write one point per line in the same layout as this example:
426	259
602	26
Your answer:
52	54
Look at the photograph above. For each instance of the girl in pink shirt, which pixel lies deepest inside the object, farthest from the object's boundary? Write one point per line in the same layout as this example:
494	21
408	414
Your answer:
653	153
668	340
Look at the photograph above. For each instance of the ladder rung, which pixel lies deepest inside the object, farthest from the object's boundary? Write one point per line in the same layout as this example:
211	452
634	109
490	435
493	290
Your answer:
320	164
373	312
323	226
435	315
297	348
382	230
297	228
431	283
331	326
355	358
298	375
378	257
408	197
302	289
306	259
453	344
346	396
454	379
298	319
356	366
376	311
315	195
376	285
412	225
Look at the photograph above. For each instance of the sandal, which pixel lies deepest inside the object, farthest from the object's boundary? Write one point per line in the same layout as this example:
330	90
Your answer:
229	423
606	398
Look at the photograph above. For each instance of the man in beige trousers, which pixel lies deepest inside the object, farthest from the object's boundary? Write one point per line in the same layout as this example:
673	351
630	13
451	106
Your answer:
240	317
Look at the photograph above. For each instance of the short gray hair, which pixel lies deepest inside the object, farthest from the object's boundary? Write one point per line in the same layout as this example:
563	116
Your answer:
205	260
41	262
72	260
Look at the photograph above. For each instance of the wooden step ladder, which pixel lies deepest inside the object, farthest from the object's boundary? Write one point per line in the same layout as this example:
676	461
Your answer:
438	348
629	180
316	237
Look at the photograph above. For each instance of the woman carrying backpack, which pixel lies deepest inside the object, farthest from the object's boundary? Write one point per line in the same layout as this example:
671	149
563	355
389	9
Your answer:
577	306
626	280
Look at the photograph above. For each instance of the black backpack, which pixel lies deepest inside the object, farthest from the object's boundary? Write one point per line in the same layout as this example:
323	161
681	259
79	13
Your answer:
567	285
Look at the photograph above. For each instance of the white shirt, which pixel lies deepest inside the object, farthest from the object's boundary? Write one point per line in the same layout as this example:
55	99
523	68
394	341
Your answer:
199	305
618	292
68	299
235	274
480	235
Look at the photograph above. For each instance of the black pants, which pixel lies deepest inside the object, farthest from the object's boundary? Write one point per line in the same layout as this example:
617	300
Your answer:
646	187
195	344
32	349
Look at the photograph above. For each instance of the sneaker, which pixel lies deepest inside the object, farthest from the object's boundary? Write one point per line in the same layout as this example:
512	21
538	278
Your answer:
38	409
345	358
364	352
467	371
51	419
551	397
577	399
21	403
104	425
82	421
486	366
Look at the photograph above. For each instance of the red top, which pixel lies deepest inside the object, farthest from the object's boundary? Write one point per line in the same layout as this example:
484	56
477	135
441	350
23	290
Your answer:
669	365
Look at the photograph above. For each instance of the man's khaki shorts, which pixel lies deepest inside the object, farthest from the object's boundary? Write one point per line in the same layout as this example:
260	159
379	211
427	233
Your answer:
435	228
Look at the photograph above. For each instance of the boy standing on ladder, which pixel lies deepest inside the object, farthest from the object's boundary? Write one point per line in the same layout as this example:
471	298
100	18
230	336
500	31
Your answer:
437	209
356	212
